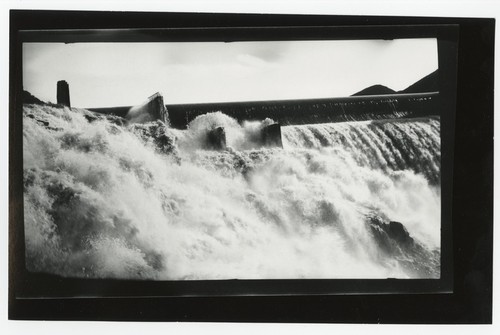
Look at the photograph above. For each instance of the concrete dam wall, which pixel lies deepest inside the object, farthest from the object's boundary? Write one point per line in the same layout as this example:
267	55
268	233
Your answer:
283	112
293	112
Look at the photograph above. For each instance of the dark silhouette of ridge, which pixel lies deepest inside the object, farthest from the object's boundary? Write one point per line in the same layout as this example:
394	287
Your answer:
29	98
429	83
375	90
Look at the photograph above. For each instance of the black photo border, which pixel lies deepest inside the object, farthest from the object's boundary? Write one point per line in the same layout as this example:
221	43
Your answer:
461	295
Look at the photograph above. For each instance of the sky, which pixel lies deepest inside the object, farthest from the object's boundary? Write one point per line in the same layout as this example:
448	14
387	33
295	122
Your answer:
124	74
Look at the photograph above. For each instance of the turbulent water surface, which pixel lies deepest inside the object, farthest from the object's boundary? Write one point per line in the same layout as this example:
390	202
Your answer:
344	200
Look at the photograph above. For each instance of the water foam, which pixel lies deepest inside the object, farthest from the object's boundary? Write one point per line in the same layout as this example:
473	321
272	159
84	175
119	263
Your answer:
239	137
101	201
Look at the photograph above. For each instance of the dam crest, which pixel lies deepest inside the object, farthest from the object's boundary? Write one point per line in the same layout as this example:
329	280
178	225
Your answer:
282	112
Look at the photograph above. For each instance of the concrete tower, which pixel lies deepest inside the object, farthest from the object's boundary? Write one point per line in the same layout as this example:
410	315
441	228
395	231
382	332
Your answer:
63	93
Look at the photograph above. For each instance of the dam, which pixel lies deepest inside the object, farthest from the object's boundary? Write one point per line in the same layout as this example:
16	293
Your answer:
310	111
282	112
292	112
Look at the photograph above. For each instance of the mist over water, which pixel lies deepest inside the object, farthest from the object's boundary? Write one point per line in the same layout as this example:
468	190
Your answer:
102	199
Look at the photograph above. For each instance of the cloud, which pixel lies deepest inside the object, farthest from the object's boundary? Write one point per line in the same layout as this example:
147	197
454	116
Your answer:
125	73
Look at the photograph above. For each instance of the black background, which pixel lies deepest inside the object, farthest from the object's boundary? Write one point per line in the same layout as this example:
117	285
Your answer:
472	200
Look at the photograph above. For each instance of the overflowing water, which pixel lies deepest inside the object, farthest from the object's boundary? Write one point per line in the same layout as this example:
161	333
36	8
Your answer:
346	200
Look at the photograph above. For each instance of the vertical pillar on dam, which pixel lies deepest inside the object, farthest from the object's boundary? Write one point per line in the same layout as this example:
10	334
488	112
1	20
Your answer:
216	139
151	110
63	93
157	108
271	135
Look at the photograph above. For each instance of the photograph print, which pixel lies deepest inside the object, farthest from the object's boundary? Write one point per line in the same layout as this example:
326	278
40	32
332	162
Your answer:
316	159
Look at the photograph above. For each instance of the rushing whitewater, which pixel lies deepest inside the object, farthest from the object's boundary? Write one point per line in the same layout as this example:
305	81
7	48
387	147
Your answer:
347	200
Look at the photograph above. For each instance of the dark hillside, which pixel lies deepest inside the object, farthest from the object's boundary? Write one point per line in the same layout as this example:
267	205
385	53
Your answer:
375	90
29	98
429	83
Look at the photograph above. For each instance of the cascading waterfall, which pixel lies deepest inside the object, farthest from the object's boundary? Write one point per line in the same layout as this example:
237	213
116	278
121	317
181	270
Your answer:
344	200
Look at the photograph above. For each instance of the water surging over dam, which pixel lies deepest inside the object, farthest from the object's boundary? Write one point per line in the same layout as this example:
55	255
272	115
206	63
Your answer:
345	200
